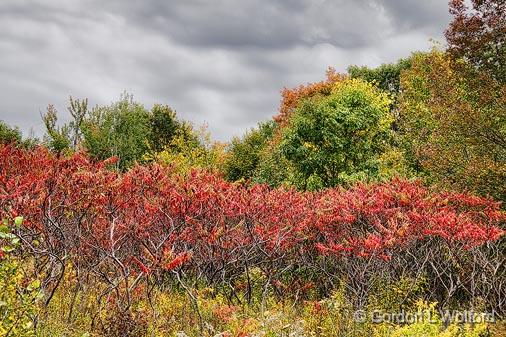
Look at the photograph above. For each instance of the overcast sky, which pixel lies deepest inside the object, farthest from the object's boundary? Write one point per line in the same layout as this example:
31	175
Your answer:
222	62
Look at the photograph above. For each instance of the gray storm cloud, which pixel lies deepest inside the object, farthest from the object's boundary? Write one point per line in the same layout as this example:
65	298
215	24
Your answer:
223	62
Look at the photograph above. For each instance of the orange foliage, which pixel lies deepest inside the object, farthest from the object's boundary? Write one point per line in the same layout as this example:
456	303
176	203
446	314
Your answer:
292	97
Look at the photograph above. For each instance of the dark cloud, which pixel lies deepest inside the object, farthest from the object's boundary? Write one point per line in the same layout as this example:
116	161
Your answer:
223	62
431	15
265	24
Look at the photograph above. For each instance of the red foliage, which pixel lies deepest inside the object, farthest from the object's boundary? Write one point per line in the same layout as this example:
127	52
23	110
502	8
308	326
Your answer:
178	261
155	219
478	33
141	265
224	312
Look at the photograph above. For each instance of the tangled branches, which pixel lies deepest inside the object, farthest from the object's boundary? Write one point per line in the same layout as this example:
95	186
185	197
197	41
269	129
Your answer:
150	226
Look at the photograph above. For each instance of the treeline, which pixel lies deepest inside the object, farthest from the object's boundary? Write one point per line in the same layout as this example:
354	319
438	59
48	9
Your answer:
436	115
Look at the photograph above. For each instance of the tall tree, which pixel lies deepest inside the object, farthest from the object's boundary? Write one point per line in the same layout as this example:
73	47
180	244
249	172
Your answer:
9	134
478	34
164	127
339	138
453	123
78	109
244	153
124	128
69	135
57	138
121	129
291	98
386	76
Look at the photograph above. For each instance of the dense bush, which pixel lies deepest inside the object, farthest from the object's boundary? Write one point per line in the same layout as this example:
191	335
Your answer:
150	225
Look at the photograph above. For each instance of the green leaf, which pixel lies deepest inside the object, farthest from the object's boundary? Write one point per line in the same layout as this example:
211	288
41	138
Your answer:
9	236
7	249
34	285
18	221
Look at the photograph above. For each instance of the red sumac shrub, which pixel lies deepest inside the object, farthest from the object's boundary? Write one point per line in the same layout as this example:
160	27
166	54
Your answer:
150	222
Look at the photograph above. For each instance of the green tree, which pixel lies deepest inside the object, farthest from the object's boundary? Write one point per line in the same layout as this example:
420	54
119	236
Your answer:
121	129
78	109
8	134
57	138
338	139
68	136
386	76
12	135
244	153
165	127
124	129
273	167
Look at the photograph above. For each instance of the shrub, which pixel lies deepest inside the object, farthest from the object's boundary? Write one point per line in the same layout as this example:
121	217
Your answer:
151	226
18	293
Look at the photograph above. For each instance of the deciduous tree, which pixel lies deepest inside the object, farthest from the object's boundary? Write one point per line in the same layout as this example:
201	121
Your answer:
453	123
338	139
244	154
478	34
